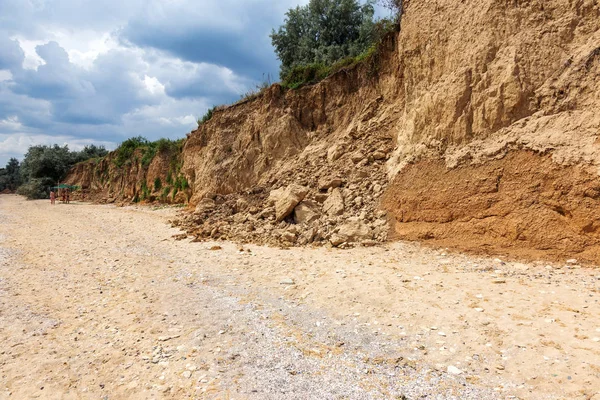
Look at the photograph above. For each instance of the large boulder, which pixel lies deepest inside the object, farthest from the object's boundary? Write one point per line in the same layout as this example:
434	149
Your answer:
354	230
285	199
334	205
306	212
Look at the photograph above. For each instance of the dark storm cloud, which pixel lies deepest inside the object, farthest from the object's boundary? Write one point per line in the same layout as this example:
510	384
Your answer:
229	33
99	95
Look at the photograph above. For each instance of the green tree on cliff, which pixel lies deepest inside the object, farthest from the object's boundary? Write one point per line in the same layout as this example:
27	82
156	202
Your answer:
324	31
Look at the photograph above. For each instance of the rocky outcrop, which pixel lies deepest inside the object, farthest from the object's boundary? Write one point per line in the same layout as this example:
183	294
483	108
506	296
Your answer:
465	84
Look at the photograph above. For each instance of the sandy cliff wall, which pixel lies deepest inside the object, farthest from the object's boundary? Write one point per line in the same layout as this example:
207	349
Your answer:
498	142
106	181
476	127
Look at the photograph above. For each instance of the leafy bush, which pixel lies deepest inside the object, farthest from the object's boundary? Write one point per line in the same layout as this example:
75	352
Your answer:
10	177
125	151
148	155
157	184
89	152
181	183
36	188
313	73
165	193
305	74
145	192
207	116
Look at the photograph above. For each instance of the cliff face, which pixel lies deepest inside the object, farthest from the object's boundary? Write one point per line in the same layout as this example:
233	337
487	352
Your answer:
480	117
498	142
484	76
106	181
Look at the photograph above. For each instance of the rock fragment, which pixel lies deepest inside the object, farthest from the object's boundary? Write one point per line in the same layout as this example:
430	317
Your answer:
285	199
334	205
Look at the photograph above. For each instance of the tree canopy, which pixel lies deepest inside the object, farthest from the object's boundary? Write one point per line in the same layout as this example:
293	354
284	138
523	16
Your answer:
43	166
324	31
10	177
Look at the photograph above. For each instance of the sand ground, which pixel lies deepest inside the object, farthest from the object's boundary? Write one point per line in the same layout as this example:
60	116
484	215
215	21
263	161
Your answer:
102	302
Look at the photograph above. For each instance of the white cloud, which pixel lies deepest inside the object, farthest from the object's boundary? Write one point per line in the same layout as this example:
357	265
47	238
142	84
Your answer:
153	85
11	123
14	145
32	59
5	75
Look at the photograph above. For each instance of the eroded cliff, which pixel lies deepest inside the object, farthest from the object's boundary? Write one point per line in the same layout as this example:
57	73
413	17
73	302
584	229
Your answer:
155	178
475	126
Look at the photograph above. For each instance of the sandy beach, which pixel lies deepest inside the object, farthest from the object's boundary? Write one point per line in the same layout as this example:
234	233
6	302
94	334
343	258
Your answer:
102	302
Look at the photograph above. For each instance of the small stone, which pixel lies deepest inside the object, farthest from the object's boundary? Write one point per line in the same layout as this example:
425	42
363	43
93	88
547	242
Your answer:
572	261
214	248
500	367
336	240
479	309
287	281
499	280
379	155
286	199
334	205
335	152
325	183
357	157
441	334
187	374
453	370
288	237
596	339
306	212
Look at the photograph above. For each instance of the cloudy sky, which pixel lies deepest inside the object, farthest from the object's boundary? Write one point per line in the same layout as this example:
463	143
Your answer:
87	71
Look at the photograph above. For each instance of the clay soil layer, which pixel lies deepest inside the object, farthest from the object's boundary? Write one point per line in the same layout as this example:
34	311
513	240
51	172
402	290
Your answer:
102	302
523	205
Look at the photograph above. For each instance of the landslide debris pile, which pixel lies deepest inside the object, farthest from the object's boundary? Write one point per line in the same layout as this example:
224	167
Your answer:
314	185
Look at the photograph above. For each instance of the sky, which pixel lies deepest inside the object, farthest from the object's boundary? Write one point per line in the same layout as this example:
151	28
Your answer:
78	72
